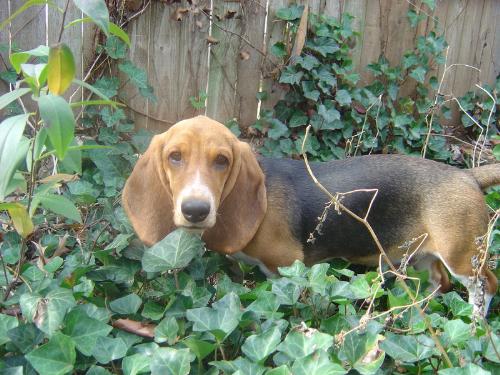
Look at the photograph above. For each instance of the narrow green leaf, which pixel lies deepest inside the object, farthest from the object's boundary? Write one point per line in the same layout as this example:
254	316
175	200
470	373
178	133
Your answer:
56	357
95	90
20	218
61	68
22	8
59	122
118	31
97	11
9	97
175	251
60	205
84	103
11	154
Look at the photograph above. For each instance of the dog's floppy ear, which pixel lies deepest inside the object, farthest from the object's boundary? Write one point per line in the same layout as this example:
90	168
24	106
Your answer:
147	198
243	204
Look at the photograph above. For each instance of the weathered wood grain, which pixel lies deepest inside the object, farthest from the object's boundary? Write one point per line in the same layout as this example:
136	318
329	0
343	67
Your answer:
175	57
175	54
223	103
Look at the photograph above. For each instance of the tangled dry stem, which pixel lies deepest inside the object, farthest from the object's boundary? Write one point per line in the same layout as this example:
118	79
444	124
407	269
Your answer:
363	220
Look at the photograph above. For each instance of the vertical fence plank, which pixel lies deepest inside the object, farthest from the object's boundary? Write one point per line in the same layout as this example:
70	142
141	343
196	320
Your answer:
494	63
484	53
250	60
222	102
174	55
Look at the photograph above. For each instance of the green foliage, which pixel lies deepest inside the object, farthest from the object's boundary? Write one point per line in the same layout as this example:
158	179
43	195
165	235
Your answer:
322	91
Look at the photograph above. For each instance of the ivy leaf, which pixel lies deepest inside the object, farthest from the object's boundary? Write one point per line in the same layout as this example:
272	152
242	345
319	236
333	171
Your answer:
287	291
343	97
457	305
167	330
323	45
258	347
170	361
200	348
25	337
224	315
266	305
419	74
135	364
290	13
277	129
299	344
7	322
47	313
468	369
137	76
56	357
108	349
115	48
84	330
408	348
176	250
456	332
291	75
430	3
59	122
317	364
310	91
128	304
278	49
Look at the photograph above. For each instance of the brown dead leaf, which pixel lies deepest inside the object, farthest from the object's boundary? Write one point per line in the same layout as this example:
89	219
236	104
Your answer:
230	14
179	13
60	177
139	328
133	5
244	55
212	40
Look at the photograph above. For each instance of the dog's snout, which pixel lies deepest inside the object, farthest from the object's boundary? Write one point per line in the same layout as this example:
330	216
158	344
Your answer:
195	210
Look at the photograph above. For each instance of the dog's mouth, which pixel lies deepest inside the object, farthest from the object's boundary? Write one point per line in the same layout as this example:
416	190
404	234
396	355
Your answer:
193	228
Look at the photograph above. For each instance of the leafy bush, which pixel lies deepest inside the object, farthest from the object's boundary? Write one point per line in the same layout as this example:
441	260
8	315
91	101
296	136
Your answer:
349	119
80	295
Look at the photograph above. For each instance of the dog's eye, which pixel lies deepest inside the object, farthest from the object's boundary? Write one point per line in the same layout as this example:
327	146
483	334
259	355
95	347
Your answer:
221	161
175	157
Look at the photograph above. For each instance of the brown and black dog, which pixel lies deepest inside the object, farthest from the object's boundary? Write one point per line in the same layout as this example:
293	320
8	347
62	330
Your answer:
199	176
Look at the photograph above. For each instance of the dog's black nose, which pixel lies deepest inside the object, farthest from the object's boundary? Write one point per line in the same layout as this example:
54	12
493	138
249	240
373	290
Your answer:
195	210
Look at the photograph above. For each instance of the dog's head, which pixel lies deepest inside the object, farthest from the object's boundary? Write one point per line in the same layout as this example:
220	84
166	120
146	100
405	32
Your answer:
198	176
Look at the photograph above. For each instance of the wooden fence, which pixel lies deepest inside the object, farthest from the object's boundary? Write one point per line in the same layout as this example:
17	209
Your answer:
169	41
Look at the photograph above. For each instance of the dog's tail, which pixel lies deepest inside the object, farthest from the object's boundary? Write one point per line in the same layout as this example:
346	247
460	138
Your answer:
486	175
